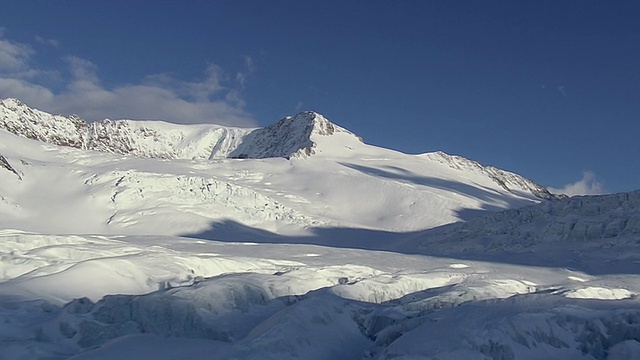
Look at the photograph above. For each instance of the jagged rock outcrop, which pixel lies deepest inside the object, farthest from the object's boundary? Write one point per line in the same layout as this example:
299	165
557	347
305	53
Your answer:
150	139
22	120
4	163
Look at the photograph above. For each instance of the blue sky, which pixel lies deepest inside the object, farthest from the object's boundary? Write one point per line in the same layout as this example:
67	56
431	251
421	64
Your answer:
547	89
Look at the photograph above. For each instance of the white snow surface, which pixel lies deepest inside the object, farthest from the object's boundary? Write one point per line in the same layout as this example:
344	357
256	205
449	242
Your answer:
95	297
128	239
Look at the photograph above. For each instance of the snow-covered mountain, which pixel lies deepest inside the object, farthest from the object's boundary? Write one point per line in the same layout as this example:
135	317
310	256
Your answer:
144	239
300	173
294	136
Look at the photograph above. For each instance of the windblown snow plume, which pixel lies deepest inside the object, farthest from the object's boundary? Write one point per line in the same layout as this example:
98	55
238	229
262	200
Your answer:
588	185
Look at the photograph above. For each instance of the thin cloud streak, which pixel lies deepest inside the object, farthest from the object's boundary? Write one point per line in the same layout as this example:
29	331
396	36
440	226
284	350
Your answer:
157	97
248	71
45	41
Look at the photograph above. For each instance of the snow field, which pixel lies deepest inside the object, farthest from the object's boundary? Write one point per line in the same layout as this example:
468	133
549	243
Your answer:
79	293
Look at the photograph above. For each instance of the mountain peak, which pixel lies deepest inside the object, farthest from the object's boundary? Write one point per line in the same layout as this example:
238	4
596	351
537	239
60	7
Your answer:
292	136
319	124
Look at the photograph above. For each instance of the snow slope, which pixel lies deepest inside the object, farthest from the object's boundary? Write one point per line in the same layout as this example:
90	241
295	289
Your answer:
114	194
302	135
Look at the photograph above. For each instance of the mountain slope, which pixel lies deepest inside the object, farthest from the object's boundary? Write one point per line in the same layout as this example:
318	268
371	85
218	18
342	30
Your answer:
369	188
152	139
293	136
22	120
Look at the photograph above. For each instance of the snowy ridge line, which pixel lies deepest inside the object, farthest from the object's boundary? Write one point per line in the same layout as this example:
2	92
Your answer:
153	139
507	180
289	137
292	137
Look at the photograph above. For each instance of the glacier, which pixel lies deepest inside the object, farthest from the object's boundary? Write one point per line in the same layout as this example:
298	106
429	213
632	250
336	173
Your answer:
144	239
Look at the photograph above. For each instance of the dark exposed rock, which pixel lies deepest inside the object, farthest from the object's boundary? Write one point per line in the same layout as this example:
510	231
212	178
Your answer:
4	163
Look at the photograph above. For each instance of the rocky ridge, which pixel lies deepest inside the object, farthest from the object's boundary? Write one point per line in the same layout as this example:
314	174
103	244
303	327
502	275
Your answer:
289	137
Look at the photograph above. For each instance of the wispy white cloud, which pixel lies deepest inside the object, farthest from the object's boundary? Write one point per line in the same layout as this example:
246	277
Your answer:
14	57
46	41
244	74
562	90
209	99
588	185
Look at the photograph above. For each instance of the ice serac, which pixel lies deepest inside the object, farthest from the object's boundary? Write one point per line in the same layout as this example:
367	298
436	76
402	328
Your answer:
579	230
290	137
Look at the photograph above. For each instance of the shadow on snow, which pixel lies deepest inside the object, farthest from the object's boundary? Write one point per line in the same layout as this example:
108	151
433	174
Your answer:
430	243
